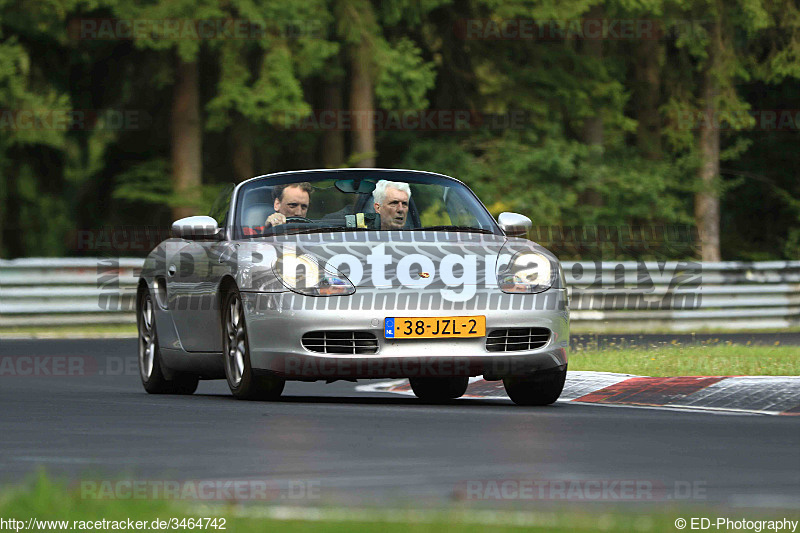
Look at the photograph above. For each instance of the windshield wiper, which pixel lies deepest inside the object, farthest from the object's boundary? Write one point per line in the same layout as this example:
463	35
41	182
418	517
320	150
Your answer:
455	228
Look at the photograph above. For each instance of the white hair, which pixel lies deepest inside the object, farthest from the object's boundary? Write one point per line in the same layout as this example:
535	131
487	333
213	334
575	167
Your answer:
379	194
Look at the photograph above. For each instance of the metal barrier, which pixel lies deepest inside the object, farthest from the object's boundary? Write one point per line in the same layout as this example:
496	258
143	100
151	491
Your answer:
605	296
67	291
683	296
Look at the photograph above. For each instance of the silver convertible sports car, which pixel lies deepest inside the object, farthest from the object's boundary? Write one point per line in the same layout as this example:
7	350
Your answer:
353	274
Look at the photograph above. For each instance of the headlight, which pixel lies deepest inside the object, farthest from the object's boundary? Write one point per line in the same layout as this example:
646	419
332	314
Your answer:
527	272
303	275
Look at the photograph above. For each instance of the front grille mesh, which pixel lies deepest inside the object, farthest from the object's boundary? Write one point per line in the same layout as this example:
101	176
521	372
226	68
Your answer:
341	342
517	339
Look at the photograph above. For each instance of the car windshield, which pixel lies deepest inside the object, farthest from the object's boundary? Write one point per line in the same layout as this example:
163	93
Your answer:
357	200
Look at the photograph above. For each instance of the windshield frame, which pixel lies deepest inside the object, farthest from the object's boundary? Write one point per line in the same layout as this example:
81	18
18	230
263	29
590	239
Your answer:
280	178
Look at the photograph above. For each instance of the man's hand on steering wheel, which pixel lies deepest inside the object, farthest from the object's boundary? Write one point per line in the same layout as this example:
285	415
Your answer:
276	219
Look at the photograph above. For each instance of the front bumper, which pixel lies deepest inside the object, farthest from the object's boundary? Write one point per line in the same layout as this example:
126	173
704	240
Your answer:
276	324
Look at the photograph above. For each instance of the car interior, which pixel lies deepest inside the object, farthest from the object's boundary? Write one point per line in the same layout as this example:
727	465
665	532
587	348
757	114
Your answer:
258	204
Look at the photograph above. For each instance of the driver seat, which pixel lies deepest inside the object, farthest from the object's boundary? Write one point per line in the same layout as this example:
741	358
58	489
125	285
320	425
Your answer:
254	217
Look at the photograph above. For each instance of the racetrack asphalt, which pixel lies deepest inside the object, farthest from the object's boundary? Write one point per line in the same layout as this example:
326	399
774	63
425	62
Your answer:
364	448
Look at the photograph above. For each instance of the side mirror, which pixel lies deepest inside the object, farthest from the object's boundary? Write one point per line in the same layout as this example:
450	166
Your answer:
199	228
514	224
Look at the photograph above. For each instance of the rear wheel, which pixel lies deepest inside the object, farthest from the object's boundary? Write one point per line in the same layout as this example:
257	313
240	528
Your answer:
245	384
439	389
543	388
150	371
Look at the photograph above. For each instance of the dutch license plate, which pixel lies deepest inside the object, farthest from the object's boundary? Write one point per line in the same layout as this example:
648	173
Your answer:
442	327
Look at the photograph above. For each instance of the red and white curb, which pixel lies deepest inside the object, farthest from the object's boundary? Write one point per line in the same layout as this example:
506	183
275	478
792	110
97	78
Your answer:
768	395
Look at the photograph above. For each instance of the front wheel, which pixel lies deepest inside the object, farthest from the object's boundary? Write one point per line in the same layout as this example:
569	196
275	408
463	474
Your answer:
153	378
439	389
243	382
543	388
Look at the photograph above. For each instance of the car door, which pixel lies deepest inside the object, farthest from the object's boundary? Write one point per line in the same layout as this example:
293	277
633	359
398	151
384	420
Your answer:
194	271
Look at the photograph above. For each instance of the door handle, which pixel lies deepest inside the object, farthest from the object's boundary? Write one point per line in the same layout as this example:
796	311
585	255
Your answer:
171	270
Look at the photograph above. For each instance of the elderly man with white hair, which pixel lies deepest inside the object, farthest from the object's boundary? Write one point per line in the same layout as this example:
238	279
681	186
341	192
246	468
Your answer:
391	203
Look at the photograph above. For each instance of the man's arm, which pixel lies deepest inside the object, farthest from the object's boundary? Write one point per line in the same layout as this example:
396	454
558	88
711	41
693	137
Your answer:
275	219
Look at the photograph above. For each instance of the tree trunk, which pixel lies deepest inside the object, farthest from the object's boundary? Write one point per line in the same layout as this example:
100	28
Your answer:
186	139
647	96
592	132
3	211
333	139
593	49
706	200
9	215
241	149
362	105
10	212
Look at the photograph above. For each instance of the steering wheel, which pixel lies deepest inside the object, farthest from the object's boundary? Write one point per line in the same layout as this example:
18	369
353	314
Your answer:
303	220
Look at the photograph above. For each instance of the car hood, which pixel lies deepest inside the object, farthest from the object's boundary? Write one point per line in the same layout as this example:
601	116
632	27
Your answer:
391	259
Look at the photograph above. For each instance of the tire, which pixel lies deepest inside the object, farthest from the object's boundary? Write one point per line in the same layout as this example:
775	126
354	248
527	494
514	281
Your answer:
540	389
439	389
245	384
150	371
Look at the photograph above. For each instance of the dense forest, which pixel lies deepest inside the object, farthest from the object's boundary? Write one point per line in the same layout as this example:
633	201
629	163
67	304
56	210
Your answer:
614	114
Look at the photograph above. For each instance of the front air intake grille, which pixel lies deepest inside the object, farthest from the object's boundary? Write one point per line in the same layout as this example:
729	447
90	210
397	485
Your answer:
341	342
517	339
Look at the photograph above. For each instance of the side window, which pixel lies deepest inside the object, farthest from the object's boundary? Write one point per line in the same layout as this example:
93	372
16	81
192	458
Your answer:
222	204
430	204
458	208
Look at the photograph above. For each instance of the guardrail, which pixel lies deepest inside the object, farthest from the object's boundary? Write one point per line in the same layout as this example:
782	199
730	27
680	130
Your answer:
624	296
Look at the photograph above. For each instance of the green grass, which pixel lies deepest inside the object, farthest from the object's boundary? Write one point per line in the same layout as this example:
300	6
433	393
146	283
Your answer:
97	331
692	360
45	499
589	328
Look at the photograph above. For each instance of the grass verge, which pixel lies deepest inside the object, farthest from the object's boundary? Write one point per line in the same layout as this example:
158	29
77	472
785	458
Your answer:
590	328
65	332
692	360
46	500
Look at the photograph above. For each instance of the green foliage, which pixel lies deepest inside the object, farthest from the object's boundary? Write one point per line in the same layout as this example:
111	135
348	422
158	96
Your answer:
149	183
146	182
405	77
163	36
276	88
47	222
55	180
355	21
274	94
542	178
18	96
